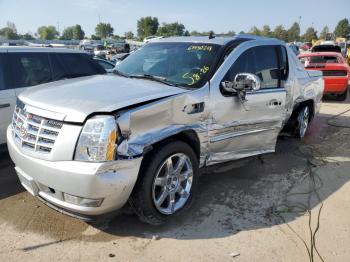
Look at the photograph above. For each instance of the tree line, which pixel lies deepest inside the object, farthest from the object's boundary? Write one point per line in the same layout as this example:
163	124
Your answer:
150	26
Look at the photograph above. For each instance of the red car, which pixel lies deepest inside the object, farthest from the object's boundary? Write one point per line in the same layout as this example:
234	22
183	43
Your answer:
336	71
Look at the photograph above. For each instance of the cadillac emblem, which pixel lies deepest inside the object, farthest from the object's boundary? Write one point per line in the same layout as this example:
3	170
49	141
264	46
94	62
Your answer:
23	130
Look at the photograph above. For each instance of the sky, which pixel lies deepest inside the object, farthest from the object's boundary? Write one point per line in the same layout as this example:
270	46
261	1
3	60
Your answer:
200	15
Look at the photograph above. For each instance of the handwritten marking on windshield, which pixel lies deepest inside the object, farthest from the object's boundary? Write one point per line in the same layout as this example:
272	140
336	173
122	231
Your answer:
195	77
200	48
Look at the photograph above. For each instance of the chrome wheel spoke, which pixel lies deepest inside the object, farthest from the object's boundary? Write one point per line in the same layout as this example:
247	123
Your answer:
183	176
180	164
169	166
172	201
162	198
182	192
160	181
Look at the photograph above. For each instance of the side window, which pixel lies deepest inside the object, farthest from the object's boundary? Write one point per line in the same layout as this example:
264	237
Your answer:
243	64
31	68
284	65
2	72
58	70
80	64
267	66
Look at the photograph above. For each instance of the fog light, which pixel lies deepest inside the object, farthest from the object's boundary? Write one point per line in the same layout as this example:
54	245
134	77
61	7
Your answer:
80	201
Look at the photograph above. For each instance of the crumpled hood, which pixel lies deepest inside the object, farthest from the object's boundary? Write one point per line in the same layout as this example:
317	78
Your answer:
79	97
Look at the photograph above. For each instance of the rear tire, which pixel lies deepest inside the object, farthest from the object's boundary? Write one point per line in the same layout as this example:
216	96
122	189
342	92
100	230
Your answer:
343	96
167	183
303	120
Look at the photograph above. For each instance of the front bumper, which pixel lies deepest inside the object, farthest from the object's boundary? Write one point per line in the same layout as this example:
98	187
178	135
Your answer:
111	181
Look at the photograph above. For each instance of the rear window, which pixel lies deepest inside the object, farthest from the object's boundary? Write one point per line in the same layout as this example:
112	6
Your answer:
80	65
326	48
306	60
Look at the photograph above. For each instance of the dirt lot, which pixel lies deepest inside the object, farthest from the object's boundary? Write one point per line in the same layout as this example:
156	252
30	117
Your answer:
287	206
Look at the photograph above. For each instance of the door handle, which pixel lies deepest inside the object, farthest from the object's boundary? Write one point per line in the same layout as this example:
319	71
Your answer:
274	103
4	105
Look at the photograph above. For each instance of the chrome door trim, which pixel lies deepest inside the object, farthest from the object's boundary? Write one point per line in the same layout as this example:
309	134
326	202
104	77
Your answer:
267	91
237	134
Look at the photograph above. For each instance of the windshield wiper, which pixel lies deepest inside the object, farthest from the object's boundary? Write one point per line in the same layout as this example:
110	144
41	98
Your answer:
117	72
159	79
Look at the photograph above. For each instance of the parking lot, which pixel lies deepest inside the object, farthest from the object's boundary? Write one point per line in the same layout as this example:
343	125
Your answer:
254	209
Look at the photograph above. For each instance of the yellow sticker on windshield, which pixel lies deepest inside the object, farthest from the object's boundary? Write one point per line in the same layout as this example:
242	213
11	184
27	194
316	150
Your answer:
200	48
195	77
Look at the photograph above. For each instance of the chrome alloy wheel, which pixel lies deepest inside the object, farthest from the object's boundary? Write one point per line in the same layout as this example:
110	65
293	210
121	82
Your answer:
303	119
172	184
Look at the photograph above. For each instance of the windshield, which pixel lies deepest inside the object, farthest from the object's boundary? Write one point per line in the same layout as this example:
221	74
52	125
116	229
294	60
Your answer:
182	64
306	60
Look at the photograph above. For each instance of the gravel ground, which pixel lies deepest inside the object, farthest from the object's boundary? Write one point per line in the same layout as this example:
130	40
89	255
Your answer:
256	209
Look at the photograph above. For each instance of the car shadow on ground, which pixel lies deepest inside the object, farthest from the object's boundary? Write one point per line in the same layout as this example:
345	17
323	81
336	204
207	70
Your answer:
236	196
9	183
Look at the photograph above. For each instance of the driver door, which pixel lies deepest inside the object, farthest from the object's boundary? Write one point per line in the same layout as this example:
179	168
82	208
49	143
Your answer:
241	129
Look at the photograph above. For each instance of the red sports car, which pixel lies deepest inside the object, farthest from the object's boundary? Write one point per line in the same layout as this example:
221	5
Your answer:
336	71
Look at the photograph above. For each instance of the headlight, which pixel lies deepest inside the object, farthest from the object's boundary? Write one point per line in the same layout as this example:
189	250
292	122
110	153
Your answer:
97	141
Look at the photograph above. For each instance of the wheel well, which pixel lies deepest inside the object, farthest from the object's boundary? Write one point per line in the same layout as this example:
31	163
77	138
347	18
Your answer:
188	136
291	124
310	104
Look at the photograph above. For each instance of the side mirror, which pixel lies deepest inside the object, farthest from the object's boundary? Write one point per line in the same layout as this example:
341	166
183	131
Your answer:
242	82
247	82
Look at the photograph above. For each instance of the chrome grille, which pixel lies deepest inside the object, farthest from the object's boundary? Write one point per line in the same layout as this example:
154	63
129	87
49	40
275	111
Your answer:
34	132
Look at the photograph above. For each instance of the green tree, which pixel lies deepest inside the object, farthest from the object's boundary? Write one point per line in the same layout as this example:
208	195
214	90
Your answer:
94	37
254	31
147	26
27	36
8	33
187	33
293	32
12	26
342	29
195	33
47	32
129	35
171	29
310	35
280	33
104	30
241	32
266	31
78	32
228	33
67	33
324	33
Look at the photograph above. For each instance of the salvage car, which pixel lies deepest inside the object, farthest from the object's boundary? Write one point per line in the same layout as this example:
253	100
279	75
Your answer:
23	67
88	146
335	70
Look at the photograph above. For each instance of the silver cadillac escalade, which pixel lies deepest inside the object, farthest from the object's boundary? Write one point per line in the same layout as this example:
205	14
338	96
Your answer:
87	146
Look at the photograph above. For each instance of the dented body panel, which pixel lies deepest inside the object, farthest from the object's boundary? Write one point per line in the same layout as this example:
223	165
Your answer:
218	127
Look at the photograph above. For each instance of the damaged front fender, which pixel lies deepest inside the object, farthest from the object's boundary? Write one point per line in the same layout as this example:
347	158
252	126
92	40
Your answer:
148	124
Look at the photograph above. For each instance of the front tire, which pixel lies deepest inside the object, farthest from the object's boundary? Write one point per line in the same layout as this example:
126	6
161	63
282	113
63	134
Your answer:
167	183
303	120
